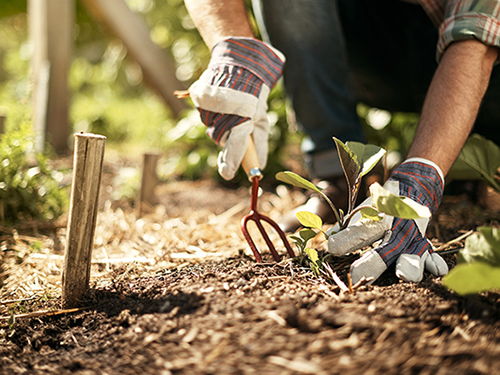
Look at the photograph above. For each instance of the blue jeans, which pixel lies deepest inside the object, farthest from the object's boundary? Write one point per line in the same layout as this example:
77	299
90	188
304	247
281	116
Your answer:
339	53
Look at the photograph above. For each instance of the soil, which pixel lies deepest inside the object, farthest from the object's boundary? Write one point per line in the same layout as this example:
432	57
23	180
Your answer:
230	315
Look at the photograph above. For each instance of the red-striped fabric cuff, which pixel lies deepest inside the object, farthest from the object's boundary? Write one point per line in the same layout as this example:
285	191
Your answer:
250	54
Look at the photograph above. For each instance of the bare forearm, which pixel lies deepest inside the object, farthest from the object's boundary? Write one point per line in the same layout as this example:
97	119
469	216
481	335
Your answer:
452	102
218	19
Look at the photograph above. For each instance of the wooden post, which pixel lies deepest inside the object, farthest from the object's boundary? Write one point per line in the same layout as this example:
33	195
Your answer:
158	67
149	180
50	27
87	170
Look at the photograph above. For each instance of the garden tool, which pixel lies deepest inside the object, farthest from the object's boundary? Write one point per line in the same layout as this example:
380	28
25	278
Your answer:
250	164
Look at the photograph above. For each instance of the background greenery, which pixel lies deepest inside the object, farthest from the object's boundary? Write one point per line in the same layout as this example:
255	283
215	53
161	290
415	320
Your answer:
109	97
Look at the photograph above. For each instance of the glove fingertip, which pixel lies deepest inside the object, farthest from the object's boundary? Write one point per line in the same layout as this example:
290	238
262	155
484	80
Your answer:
226	173
369	266
410	267
225	170
436	265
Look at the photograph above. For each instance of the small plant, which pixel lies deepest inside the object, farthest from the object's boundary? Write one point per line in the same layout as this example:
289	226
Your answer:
357	160
313	225
479	263
29	188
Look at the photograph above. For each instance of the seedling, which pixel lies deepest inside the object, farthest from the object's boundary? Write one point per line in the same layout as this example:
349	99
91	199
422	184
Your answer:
313	225
358	160
479	263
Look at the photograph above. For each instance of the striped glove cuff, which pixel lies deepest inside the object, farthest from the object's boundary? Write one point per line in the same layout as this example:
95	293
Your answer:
253	55
421	181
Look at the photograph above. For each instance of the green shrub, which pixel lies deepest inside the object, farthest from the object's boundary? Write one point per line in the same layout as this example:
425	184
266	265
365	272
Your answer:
29	188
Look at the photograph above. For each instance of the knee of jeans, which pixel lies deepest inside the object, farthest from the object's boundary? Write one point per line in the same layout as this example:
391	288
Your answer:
298	23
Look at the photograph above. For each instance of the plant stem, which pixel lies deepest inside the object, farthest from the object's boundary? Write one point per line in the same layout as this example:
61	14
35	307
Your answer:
332	206
351	214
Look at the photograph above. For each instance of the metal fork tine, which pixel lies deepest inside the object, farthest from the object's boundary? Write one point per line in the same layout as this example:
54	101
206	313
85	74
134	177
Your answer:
280	233
256	217
270	245
248	238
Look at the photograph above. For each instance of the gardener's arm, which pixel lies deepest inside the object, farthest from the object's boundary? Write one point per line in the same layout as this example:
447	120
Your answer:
219	19
231	95
453	101
449	111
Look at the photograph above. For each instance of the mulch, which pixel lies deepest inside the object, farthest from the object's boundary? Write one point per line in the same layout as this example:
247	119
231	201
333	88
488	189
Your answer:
176	292
234	316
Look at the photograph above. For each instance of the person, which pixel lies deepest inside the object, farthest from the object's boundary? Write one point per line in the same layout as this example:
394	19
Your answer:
386	53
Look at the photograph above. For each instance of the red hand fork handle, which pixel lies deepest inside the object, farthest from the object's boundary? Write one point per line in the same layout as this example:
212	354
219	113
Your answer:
250	164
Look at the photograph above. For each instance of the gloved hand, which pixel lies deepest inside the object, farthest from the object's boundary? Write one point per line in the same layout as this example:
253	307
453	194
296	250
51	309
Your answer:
231	96
404	241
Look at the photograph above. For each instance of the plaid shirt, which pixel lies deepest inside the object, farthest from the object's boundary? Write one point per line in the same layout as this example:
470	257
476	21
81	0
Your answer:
464	19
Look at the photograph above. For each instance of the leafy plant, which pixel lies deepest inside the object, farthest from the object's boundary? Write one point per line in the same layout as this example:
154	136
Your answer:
357	160
29	188
479	263
479	158
313	225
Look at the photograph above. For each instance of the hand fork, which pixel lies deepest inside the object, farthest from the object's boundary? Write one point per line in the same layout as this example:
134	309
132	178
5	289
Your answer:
250	164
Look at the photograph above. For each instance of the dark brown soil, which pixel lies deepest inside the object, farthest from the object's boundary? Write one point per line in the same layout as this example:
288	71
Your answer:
237	317
233	316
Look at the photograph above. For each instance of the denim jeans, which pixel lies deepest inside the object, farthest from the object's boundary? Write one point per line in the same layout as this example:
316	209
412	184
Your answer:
339	53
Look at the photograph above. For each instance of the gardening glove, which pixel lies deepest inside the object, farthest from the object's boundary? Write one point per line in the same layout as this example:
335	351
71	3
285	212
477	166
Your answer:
231	96
404	241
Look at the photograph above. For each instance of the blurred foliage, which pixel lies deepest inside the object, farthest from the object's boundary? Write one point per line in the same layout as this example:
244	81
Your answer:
29	188
12	7
126	184
478	267
109	97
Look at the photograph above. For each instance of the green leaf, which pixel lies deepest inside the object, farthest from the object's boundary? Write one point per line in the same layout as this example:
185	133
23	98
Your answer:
483	156
482	247
296	180
307	234
367	155
351	168
309	220
473	278
312	255
370	213
396	206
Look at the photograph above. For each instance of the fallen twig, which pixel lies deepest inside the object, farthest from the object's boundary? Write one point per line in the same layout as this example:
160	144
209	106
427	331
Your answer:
42	313
453	241
349	283
363	281
335	278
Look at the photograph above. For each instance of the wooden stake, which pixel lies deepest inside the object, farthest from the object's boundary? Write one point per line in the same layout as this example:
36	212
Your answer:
51	32
149	180
87	170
